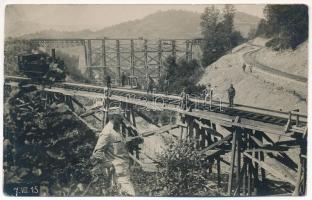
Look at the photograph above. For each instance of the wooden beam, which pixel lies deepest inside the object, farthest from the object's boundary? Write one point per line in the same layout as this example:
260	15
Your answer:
146	167
238	159
84	108
202	125
145	61
262	150
230	183
225	161
260	138
160	130
132	59
132	116
118	61
197	138
299	174
223	140
214	152
219	171
239	180
160	53
78	103
88	113
146	118
249	166
280	173
85	52
86	123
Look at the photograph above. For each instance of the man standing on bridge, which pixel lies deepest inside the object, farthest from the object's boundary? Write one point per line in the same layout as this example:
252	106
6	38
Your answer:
184	99
108	81
208	92
111	159
231	95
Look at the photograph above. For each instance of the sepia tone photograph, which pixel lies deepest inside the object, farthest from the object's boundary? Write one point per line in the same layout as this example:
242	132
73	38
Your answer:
162	100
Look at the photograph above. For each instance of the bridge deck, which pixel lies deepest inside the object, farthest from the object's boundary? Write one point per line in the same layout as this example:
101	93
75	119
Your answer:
269	121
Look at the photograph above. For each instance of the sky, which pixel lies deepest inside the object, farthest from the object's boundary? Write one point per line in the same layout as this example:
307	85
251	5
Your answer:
95	17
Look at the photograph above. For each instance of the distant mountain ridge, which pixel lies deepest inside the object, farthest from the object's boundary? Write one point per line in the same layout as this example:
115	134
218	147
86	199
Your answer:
162	24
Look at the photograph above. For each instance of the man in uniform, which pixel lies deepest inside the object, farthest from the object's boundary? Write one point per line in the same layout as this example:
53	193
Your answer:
150	84
184	99
123	79
111	159
108	83
231	95
166	84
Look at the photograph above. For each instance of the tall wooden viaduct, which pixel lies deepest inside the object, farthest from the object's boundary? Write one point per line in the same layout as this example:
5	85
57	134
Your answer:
137	57
257	146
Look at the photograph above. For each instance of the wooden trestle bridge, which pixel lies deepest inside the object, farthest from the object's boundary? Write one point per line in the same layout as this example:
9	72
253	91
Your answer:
252	143
137	57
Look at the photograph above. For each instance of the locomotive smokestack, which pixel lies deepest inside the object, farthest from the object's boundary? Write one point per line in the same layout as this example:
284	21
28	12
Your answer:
53	54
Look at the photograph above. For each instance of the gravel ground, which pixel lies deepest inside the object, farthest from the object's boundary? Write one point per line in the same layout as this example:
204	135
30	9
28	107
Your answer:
254	89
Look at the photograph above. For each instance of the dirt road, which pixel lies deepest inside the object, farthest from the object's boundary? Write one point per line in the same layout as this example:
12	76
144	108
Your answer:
249	58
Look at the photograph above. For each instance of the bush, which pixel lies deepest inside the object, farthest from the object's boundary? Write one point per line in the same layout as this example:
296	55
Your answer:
277	44
181	170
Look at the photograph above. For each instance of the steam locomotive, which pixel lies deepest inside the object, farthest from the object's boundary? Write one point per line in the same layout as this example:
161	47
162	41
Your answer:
40	67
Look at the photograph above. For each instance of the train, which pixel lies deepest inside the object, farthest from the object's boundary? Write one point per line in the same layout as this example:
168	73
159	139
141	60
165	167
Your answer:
41	67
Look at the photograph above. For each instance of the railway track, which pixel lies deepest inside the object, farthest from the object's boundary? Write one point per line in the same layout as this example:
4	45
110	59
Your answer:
197	104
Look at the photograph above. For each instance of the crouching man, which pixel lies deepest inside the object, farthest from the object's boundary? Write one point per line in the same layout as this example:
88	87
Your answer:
111	159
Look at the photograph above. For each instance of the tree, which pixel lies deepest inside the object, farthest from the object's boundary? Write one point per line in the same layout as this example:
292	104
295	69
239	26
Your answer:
228	23
209	23
236	38
218	33
263	29
180	74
